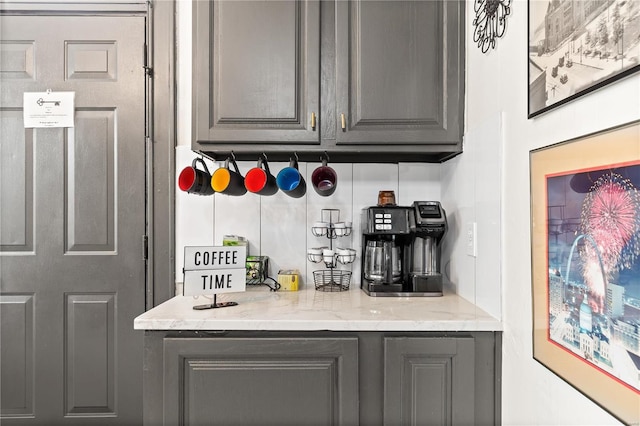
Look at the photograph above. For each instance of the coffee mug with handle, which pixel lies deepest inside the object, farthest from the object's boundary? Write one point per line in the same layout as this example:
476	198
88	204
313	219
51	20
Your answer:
194	180
227	181
324	179
290	181
259	180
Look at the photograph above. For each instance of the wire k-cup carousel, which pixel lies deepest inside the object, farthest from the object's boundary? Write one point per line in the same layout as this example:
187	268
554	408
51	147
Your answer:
402	249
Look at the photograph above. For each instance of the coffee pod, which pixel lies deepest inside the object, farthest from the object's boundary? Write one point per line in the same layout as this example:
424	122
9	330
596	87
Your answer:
346	255
340	229
320	228
315	254
327	256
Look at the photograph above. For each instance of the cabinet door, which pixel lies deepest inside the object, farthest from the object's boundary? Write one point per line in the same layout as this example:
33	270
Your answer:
429	381
399	72
256	71
266	381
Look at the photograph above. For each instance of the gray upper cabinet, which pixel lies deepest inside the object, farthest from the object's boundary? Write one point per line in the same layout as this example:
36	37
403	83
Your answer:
256	71
361	80
398	76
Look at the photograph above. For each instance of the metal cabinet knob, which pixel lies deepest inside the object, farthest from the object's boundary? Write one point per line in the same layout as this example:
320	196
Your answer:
344	122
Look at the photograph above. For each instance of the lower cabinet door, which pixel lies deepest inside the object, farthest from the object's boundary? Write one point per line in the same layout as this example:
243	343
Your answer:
266	381
429	381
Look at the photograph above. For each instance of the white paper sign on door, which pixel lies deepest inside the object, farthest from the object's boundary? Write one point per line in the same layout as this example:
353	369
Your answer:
48	109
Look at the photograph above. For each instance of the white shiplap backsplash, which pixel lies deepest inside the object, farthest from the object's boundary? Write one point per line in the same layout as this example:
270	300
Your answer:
279	226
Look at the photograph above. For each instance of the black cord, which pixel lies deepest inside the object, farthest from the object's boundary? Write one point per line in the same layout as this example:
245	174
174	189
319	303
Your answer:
276	285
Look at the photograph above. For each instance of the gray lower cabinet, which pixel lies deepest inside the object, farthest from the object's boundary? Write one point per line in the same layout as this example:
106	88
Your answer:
429	381
361	80
269	381
321	378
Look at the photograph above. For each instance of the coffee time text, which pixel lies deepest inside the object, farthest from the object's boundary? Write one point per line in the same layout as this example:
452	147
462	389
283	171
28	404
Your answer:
214	257
212	281
214	270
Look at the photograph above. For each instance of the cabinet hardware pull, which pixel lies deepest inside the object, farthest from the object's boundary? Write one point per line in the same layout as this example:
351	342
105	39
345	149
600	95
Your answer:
313	121
344	122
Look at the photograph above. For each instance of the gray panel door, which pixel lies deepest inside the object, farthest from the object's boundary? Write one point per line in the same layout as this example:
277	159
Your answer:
256	71
261	381
429	381
72	217
399	72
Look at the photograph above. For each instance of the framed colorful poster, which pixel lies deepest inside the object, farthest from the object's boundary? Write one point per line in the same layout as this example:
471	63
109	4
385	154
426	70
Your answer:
577	46
585	246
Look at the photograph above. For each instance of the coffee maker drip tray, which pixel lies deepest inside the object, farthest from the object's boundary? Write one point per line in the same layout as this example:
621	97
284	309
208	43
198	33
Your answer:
418	286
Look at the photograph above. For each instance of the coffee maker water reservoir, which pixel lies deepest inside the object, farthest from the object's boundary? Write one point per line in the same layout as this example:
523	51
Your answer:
428	229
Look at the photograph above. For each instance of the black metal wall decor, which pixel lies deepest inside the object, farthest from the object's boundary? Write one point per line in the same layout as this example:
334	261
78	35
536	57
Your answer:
490	22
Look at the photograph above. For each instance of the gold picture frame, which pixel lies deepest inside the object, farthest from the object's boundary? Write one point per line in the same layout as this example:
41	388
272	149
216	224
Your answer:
585	254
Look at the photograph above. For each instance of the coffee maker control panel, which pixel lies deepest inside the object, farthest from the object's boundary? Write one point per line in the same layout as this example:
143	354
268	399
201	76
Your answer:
385	220
430	218
427	210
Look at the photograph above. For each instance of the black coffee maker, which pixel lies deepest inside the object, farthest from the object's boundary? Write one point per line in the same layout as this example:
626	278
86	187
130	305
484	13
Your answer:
386	249
401	249
428	228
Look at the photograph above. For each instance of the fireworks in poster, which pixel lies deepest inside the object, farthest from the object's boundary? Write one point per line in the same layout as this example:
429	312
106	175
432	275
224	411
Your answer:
593	219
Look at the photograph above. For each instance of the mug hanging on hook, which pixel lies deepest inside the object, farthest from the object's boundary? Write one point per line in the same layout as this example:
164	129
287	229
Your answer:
227	181
324	179
259	180
291	181
194	180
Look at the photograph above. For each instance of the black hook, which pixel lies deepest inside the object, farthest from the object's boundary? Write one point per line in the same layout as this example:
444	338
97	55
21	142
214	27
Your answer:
324	160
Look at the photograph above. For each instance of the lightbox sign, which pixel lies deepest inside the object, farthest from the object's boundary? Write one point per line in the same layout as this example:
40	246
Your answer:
214	270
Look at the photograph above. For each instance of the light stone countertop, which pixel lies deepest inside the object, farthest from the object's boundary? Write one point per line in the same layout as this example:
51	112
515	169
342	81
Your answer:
312	310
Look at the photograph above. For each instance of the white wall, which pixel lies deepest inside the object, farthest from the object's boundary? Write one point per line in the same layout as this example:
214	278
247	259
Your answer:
497	97
488	185
279	226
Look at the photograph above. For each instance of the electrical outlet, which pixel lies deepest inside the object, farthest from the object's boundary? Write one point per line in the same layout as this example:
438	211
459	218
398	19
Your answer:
471	239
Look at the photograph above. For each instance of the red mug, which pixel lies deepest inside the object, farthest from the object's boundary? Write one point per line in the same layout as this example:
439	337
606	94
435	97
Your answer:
259	180
194	180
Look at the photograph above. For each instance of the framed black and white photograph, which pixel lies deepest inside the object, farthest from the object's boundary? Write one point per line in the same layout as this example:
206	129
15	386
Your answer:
577	46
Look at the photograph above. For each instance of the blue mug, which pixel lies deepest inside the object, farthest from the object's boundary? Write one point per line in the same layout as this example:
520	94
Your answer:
290	181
